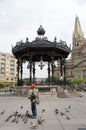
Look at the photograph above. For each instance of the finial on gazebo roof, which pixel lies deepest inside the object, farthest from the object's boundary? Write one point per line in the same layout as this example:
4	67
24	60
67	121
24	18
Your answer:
40	30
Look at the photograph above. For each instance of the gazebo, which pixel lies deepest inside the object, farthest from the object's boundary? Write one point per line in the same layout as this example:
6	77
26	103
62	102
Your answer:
40	50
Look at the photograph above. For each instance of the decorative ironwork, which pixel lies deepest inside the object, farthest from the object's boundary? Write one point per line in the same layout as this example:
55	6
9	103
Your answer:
42	48
41	30
41	63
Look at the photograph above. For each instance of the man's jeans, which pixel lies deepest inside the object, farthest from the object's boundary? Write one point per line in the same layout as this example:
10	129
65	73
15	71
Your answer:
34	110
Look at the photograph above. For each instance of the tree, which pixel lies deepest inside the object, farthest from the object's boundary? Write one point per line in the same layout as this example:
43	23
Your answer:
6	84
77	80
56	80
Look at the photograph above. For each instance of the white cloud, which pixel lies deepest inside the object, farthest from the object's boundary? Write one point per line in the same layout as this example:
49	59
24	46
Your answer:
21	18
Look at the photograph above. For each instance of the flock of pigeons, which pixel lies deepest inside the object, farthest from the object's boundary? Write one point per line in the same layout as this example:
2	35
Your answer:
67	110
16	116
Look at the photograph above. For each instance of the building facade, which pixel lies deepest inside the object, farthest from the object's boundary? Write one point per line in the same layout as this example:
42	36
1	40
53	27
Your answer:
8	67
76	65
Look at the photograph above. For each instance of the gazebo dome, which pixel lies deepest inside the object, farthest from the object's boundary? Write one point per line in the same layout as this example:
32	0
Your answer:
40	30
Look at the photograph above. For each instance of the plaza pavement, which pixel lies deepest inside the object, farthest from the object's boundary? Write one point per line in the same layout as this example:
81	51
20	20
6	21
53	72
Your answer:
52	121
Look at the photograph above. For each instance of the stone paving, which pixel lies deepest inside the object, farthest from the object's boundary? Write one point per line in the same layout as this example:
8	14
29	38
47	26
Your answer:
52	121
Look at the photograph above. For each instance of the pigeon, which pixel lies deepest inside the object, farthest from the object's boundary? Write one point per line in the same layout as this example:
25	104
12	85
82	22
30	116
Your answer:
43	110
40	120
16	113
68	118
62	114
8	118
2	112
56	111
34	125
21	107
19	115
27	113
67	110
25	121
17	119
69	107
14	119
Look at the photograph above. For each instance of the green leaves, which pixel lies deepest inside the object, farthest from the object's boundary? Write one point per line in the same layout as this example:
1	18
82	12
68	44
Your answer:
77	80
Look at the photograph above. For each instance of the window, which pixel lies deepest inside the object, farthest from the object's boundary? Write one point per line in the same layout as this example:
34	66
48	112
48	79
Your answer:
2	71
77	44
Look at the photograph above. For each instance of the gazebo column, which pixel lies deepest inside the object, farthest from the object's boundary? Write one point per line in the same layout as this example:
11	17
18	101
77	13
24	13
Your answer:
49	72
33	72
52	66
64	69
30	69
21	72
61	74
18	64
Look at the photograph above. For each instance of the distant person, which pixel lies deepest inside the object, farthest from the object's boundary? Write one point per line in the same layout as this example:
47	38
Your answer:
61	80
33	104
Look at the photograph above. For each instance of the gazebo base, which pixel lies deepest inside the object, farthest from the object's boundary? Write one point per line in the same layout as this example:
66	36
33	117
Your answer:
22	91
41	90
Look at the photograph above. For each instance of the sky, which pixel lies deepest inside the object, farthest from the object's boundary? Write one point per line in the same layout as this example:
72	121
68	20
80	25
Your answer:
21	18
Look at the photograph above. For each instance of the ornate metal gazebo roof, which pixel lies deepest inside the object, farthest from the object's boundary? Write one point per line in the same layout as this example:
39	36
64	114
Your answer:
41	46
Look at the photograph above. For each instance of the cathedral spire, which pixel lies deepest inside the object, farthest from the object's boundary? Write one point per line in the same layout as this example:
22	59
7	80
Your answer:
77	30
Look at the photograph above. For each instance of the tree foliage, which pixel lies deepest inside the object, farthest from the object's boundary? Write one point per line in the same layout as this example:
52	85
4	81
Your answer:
56	79
77	80
6	84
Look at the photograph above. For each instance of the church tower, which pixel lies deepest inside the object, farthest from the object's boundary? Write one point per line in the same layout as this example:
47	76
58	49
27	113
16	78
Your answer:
78	38
76	65
77	29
